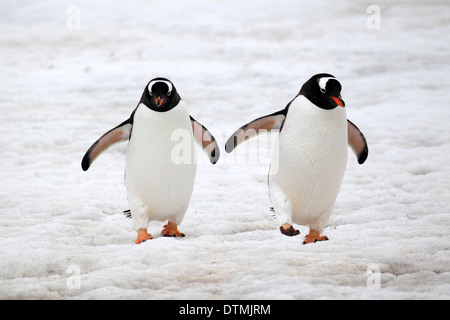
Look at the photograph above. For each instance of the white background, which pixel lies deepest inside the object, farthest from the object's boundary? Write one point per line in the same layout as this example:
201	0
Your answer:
65	82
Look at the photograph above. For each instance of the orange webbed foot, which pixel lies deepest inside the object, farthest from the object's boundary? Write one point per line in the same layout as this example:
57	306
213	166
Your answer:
142	236
313	237
289	230
171	230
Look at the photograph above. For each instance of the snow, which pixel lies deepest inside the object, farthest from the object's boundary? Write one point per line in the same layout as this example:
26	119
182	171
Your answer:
71	70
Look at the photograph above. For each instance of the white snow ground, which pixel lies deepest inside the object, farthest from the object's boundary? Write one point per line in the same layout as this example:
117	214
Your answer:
67	78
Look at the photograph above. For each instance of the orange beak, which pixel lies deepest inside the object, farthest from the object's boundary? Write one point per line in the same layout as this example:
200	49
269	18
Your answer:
339	101
159	101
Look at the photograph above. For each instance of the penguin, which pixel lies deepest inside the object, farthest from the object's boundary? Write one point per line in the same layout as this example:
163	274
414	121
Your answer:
310	154
160	157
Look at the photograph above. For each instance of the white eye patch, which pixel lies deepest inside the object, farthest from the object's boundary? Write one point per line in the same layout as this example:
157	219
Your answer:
152	83
323	83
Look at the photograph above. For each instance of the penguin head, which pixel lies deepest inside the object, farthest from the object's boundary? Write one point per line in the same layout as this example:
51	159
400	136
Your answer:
324	90
160	95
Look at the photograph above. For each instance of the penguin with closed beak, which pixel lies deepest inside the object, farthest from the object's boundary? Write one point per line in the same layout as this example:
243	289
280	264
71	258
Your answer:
160	158
310	156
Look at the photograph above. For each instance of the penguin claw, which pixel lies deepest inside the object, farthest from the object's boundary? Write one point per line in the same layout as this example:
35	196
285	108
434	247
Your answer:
289	231
174	235
171	230
313	238
143	236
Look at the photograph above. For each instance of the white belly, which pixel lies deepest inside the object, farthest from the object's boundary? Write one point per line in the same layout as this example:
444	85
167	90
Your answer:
160	163
309	163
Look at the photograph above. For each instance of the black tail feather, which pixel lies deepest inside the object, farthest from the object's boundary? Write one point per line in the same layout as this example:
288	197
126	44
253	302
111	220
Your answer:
127	213
273	212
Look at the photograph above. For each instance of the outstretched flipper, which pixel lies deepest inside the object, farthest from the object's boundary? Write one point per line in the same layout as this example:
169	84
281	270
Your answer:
120	133
253	128
357	142
206	140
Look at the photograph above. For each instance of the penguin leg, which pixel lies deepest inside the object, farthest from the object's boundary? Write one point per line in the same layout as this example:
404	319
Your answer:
142	236
171	230
288	230
140	218
283	209
314	236
316	227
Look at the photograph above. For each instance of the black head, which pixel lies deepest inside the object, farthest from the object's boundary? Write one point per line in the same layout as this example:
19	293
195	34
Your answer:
160	95
324	90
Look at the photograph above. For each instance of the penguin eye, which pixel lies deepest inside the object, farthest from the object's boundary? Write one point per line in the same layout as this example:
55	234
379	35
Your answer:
323	90
169	93
150	91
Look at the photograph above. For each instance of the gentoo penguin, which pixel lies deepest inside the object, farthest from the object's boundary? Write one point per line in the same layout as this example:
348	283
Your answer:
160	157
310	154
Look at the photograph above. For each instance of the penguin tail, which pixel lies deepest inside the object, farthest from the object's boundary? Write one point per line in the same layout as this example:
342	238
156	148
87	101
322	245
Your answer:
271	209
127	213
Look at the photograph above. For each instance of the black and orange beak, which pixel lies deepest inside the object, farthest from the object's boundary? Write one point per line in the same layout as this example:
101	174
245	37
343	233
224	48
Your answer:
159	101
339	101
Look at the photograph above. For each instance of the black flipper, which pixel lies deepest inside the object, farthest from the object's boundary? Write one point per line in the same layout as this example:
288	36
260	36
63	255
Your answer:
253	128
357	142
120	133
206	140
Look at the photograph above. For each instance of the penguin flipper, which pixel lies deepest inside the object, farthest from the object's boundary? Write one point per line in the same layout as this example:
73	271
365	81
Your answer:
269	122
120	133
357	142
206	140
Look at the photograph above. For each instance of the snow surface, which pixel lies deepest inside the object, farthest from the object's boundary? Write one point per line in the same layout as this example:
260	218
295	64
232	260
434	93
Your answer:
64	83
